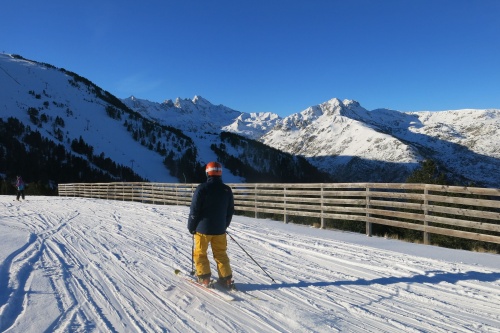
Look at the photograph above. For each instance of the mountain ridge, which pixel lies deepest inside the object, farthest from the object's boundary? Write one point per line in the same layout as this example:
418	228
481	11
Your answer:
170	141
89	129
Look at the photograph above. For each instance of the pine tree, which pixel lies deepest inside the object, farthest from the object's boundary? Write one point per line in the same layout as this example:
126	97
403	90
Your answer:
427	173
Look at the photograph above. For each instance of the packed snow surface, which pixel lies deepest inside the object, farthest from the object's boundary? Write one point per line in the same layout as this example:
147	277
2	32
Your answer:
89	265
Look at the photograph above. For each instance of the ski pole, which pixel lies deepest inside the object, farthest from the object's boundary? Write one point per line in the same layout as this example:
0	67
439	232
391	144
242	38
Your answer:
192	258
250	256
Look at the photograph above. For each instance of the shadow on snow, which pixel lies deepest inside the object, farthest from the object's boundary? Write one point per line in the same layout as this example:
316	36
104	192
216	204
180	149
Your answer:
431	277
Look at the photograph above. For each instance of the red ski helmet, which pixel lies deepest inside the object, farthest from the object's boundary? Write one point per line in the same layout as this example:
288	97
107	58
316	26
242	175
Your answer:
213	169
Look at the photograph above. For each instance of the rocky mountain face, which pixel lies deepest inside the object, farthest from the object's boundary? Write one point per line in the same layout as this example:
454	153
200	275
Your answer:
351	142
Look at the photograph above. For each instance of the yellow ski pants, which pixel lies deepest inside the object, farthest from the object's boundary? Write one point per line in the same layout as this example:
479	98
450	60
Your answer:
219	250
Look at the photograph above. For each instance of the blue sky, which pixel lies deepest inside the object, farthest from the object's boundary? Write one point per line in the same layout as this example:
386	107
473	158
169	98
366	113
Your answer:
271	55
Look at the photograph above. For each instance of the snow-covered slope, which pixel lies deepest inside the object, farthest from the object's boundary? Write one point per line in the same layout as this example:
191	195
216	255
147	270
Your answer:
25	85
342	137
197	118
335	128
335	137
475	129
90	265
167	142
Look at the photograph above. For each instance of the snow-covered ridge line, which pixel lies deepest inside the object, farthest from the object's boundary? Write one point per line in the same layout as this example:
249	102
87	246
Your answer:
341	138
350	142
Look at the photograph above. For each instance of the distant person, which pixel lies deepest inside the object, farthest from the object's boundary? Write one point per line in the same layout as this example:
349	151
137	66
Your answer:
20	187
211	211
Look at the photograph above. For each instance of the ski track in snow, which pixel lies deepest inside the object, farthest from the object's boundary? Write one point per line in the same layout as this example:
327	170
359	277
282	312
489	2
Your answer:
89	265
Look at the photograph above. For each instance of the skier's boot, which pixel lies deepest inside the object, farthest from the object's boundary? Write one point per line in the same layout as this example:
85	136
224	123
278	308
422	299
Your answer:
204	280
227	282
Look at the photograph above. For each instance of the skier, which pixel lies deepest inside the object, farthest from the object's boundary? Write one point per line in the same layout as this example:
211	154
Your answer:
211	211
20	187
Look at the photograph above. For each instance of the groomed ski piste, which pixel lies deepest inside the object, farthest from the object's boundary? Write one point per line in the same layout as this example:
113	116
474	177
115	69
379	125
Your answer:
90	265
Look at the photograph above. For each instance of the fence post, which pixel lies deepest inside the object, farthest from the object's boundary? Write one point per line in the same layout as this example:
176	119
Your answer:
177	194
427	236
322	213
285	217
368	223
163	199
255	200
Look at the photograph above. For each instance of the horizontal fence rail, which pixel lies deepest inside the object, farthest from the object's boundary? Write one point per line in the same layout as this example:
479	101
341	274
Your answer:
464	212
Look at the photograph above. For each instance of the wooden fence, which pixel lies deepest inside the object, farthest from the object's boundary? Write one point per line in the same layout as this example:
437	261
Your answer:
464	212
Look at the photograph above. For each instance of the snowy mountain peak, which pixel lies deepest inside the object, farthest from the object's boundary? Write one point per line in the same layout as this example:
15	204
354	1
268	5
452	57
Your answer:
168	103
334	103
202	102
198	105
328	111
351	103
178	103
335	107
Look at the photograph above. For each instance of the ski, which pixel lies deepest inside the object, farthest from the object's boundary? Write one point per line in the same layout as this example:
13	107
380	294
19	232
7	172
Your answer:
210	289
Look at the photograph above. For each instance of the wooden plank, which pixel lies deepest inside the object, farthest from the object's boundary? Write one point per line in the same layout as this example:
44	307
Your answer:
464	212
397	195
396	186
464	190
403	215
396	204
360	218
268	199
357	202
315	201
356	210
291	206
358	186
465	201
291	193
464	223
399	224
269	192
465	234
332	194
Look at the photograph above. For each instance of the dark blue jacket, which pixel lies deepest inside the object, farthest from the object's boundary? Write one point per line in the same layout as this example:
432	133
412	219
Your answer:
212	207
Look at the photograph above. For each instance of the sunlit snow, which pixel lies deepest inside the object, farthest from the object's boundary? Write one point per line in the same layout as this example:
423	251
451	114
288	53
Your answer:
89	265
